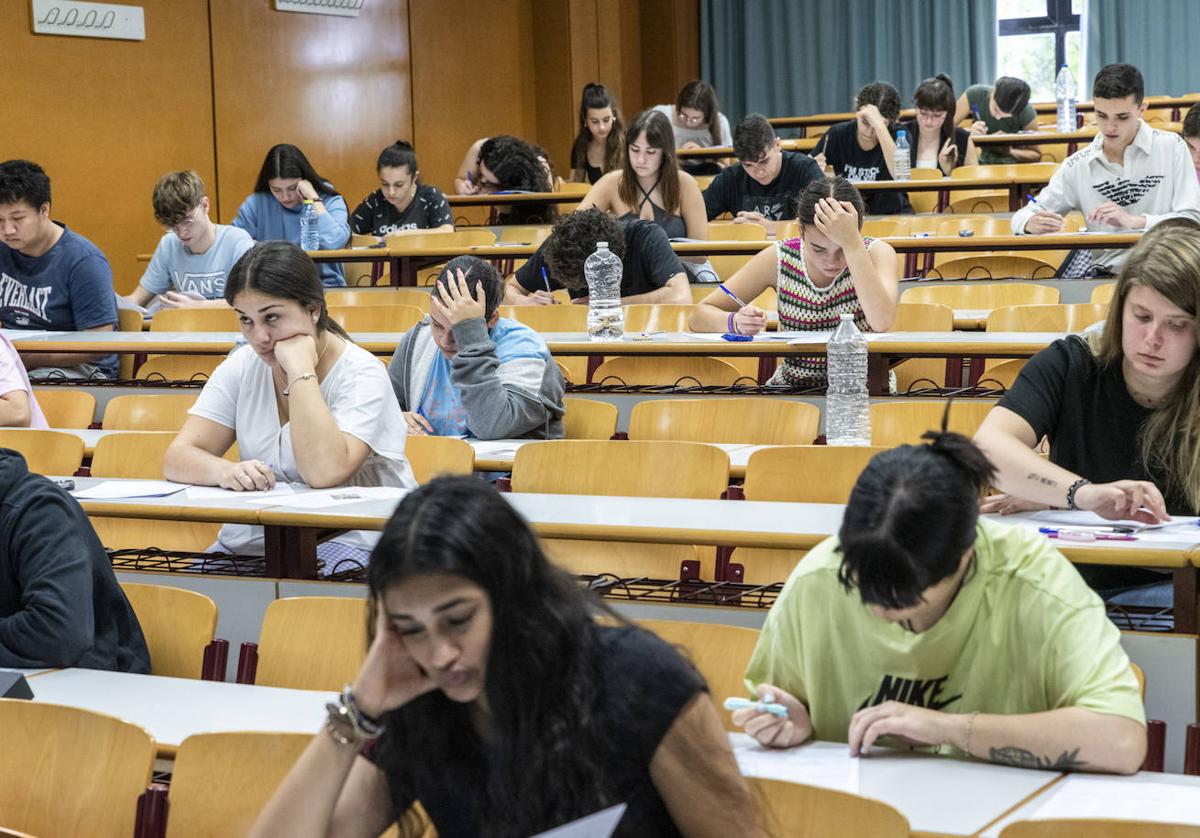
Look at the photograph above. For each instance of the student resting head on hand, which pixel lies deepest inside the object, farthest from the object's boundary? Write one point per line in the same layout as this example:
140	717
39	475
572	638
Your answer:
968	636
492	695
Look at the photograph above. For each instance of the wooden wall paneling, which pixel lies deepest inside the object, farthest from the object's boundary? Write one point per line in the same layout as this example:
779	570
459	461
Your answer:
619	48
564	32
337	87
670	48
107	118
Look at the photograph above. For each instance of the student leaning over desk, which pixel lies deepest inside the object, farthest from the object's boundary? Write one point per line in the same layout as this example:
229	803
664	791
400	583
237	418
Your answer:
304	403
921	624
496	700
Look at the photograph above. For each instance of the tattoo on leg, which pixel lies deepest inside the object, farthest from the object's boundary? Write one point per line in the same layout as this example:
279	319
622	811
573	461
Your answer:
1021	758
1037	478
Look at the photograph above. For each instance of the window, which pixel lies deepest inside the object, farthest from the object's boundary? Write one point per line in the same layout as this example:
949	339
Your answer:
1035	38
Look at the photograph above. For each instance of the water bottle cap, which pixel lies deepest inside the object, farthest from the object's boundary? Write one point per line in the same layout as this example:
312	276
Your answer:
602	245
902	134
845	316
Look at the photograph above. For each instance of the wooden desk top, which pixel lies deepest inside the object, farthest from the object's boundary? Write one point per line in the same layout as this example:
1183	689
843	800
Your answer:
505	199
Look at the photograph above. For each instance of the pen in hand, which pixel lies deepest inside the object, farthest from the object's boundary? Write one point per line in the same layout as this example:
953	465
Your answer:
732	295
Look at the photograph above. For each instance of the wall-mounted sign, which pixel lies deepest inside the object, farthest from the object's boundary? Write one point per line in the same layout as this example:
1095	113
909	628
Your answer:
341	8
88	20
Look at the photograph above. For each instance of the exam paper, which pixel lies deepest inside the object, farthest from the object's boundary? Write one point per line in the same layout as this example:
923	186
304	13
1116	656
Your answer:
497	449
1081	518
824	764
1121	799
323	498
112	489
216	492
602	824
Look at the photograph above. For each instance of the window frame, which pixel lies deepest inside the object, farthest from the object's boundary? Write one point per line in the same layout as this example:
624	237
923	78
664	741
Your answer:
1058	20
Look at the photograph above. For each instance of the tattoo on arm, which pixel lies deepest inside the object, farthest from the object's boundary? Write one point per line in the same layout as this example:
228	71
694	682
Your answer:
1037	478
1021	758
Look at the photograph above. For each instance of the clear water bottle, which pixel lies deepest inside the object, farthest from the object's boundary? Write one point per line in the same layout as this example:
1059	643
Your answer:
847	405
1064	95
602	270
310	239
901	162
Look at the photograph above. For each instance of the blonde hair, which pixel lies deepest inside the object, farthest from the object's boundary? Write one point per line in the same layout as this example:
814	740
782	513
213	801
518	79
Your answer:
175	195
1167	261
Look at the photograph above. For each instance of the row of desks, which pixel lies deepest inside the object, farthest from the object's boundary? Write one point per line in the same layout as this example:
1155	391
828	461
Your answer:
938	795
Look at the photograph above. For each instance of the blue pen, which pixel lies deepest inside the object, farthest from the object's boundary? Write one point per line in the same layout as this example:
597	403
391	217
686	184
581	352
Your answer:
975	110
735	297
1121	530
546	280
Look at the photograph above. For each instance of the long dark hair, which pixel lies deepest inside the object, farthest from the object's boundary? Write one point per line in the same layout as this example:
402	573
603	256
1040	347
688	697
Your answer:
660	135
597	97
281	269
287	161
937	94
700	95
889	550
544	761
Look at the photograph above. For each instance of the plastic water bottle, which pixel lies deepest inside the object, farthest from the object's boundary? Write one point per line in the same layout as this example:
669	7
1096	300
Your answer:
310	239
602	270
901	162
1064	95
847	405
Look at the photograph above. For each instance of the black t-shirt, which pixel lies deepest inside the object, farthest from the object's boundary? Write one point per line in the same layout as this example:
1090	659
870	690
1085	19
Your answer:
734	191
376	216
1086	411
642	685
850	161
648	263
961	138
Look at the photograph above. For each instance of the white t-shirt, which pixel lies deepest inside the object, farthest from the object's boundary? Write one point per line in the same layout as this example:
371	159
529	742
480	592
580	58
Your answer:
700	136
241	396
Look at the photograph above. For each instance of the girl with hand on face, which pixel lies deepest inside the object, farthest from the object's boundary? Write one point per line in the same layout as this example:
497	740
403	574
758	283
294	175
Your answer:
491	695
402	204
304	403
597	146
935	142
272	212
829	270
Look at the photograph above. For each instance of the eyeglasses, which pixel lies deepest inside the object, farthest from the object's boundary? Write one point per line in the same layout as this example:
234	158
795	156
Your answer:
187	224
691	121
931	115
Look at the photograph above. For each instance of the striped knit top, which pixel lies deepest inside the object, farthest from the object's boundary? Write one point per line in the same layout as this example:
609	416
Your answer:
803	307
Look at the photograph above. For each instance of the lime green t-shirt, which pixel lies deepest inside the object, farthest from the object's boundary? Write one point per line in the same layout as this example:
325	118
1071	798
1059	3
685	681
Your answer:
1024	635
978	96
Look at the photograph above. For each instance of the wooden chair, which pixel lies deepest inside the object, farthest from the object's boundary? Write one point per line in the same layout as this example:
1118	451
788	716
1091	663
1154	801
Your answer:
794	474
727	266
128	320
719	651
624	468
431	456
195	320
989	295
1103	294
45	452
1098	828
669	370
903	422
358	274
179	367
589	419
385	318
729	231
68	771
533	234
754	421
307	643
141	412
465	237
987	264
1064	317
1003	373
657	317
882	228
923	201
922	317
66	407
389	297
811	812
560	318
179	626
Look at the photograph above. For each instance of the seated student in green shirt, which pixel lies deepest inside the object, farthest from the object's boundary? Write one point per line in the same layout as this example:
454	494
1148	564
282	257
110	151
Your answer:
965	637
1002	108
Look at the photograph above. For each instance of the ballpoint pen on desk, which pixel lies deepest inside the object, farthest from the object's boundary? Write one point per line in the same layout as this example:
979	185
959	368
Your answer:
1085	535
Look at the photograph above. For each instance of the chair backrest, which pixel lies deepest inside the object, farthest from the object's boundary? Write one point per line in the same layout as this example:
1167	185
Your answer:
68	771
1064	317
560	318
195	320
145	412
923	317
312	643
655	317
128	320
383	297
977	225
222	781
1098	828
718	650
672	369
923	201
988	295
137	455
589	419
1001	265
179	367
382	318
1103	294
45	452
66	407
755	421
812	812
903	422
617	467
431	456
1004	373
778	474
523	234
882	228
730	231
470	237
178	624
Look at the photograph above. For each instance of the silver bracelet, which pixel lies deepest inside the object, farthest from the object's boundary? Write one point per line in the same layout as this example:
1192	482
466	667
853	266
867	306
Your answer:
288	388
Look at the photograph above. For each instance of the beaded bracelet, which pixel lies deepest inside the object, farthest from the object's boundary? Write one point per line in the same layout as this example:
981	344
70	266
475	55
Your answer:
358	727
1075	487
733	329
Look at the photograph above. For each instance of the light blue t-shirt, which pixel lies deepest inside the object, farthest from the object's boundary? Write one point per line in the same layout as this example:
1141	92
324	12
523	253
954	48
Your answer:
175	268
441	403
266	219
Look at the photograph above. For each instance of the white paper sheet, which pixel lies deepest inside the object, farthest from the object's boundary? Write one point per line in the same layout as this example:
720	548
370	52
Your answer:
112	489
602	824
216	492
1098	797
496	449
824	764
1080	518
324	498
